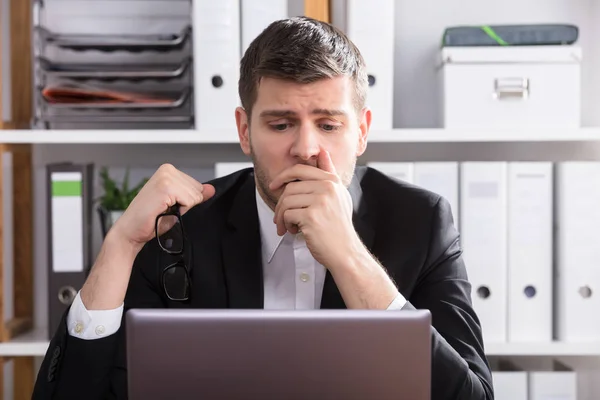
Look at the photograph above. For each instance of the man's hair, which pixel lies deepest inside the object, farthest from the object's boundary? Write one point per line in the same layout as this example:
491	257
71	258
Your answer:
302	50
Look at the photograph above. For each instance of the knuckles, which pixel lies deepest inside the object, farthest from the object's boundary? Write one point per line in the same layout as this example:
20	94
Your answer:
164	184
167	168
330	187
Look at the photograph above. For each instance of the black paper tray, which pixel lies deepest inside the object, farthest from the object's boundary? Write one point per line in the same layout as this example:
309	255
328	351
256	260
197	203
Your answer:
114	119
113	122
125	42
105	71
178	100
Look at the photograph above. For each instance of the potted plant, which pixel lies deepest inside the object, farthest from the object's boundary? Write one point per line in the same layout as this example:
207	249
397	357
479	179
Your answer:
116	197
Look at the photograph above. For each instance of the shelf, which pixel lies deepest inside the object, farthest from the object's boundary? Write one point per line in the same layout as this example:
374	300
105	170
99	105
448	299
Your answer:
490	135
591	349
31	344
118	136
229	136
35	344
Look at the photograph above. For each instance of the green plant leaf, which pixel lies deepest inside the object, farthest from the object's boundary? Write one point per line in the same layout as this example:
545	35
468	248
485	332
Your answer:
117	197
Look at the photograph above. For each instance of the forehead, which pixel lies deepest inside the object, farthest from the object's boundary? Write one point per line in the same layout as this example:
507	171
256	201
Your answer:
326	93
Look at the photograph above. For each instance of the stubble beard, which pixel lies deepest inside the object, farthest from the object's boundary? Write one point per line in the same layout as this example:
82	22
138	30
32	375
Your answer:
263	180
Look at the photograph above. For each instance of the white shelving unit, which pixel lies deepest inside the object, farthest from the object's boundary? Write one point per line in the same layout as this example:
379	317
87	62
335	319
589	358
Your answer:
35	343
31	344
551	349
433	135
417	35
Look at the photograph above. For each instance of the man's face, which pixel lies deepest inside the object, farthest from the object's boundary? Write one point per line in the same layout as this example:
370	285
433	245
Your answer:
292	123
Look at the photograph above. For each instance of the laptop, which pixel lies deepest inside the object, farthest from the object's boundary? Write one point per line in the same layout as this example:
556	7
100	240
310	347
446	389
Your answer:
264	354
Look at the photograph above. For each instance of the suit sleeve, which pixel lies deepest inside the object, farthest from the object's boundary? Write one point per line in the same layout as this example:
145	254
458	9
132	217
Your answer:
75	368
460	370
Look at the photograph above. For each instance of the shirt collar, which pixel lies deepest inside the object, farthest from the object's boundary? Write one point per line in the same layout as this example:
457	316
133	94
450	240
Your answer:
268	230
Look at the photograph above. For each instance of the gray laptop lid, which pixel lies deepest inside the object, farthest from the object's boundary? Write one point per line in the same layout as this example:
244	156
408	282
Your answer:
258	354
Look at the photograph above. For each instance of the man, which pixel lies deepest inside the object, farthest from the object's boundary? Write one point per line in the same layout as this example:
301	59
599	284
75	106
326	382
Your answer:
304	229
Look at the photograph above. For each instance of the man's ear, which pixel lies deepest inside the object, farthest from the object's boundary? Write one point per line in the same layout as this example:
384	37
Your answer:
243	127
364	127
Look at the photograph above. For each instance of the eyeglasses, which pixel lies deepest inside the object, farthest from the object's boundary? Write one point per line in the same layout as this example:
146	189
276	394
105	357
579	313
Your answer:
171	238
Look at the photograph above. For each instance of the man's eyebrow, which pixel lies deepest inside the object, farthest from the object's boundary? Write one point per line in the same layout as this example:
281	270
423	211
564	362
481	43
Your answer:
290	113
329	113
277	113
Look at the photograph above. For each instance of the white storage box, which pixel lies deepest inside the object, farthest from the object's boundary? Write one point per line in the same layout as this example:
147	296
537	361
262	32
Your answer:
510	87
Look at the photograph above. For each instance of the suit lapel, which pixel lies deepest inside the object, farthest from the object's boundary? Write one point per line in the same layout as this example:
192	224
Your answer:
332	297
241	251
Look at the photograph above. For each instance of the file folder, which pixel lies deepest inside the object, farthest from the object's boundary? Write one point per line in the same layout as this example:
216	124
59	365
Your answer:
440	178
510	381
510	385
6	233
217	55
530	234
371	27
69	210
483	228
559	382
577	275
256	15
403	171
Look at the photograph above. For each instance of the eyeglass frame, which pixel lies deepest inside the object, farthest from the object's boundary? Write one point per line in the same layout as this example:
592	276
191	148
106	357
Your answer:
174	211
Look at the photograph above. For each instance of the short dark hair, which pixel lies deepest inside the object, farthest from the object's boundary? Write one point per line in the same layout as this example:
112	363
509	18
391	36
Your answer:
303	50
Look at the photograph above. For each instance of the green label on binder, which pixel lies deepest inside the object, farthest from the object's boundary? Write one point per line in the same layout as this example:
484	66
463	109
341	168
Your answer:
66	188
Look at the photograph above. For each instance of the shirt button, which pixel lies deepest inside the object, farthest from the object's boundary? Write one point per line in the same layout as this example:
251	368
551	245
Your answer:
79	327
99	330
304	277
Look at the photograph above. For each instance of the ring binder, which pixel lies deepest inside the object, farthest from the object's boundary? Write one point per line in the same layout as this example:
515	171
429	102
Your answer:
69	205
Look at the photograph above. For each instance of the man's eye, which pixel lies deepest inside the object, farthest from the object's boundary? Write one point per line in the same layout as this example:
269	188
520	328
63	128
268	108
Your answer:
329	128
279	127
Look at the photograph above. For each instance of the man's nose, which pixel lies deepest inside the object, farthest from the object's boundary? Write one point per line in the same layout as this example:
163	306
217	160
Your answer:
306	145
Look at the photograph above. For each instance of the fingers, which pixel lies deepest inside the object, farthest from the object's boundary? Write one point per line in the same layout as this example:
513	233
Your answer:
185	191
325	170
293	202
293	220
208	191
301	172
181	188
325	163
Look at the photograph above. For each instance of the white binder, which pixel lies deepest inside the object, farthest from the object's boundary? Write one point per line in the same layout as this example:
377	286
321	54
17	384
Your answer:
226	168
403	171
483	229
530	251
440	178
371	27
256	15
510	385
216	36
577	251
559	382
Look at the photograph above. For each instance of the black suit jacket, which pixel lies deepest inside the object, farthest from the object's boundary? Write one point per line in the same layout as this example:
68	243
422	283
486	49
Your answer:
408	229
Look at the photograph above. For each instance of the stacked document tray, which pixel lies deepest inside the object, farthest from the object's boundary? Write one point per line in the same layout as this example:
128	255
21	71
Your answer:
111	80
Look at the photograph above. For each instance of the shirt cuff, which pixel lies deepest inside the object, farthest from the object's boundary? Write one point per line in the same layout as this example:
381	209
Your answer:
398	303
92	324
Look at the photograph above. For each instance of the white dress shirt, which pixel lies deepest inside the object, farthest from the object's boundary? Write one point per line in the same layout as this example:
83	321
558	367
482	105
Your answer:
293	279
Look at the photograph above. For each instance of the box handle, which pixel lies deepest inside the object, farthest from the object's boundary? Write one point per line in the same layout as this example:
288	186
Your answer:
511	88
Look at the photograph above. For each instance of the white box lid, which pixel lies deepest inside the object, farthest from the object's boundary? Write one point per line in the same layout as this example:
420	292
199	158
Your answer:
511	54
